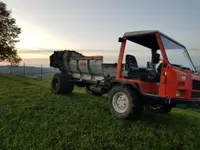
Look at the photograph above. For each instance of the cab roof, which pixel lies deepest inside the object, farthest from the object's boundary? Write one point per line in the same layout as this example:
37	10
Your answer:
147	38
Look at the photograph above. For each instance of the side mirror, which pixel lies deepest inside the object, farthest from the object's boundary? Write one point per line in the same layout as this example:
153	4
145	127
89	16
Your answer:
120	39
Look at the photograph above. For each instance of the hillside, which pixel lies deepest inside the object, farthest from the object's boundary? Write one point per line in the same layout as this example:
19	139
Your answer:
31	117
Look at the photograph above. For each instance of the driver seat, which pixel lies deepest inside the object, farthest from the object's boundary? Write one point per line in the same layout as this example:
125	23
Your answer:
131	63
131	66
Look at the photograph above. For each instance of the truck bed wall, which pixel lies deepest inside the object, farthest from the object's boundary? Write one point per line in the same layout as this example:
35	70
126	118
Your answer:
87	68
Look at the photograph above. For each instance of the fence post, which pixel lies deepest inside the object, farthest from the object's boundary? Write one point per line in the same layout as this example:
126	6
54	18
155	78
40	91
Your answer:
24	70
41	72
10	69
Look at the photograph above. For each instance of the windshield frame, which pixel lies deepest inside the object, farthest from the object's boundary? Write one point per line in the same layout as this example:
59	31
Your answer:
183	47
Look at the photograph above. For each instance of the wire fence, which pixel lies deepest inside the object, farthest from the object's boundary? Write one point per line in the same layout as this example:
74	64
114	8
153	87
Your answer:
37	73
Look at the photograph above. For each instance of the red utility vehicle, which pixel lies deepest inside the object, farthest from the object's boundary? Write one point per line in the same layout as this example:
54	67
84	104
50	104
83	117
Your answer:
169	78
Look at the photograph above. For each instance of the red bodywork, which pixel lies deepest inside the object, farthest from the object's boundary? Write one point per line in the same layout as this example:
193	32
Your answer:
170	80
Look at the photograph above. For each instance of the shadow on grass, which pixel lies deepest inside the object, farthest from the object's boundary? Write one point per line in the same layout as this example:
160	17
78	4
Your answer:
83	96
178	118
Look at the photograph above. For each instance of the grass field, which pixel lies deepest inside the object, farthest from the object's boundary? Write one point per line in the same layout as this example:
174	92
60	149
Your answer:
31	117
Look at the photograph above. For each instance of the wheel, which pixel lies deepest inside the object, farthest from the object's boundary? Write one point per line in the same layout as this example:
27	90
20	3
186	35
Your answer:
124	102
92	92
61	84
159	108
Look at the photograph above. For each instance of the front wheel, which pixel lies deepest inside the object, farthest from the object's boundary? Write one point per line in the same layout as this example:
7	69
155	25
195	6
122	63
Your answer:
124	102
159	108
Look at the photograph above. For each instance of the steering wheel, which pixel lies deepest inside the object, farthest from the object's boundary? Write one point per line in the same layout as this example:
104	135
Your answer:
151	70
154	73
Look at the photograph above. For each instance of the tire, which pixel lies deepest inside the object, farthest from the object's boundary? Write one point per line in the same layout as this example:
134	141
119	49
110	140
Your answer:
124	102
156	108
61	84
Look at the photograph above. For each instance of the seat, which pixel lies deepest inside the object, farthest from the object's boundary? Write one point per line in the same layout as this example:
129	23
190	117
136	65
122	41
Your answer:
131	62
134	71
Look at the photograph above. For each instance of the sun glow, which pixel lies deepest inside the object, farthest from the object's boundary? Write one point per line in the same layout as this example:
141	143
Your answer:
34	38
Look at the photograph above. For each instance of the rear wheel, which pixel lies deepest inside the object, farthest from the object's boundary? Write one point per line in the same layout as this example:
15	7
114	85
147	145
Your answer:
159	108
61	84
124	102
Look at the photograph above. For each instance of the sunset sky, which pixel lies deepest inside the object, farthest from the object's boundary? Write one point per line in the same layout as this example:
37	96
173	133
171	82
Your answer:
93	26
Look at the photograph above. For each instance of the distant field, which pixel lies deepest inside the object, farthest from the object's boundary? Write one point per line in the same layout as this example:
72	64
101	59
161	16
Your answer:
31	117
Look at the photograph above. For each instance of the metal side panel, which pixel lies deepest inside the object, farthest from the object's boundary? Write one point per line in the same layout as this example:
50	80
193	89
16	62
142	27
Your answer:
95	66
83	66
86	77
73	66
97	78
76	75
110	69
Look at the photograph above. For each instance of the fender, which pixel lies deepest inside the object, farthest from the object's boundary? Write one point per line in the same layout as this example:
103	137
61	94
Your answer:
135	86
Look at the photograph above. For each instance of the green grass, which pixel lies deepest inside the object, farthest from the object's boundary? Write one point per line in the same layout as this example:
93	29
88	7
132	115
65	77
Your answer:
31	117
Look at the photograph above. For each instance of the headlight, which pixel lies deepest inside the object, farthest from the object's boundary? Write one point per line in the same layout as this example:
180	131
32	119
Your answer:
183	78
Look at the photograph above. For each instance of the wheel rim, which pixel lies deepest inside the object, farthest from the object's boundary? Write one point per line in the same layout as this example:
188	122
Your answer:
120	102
